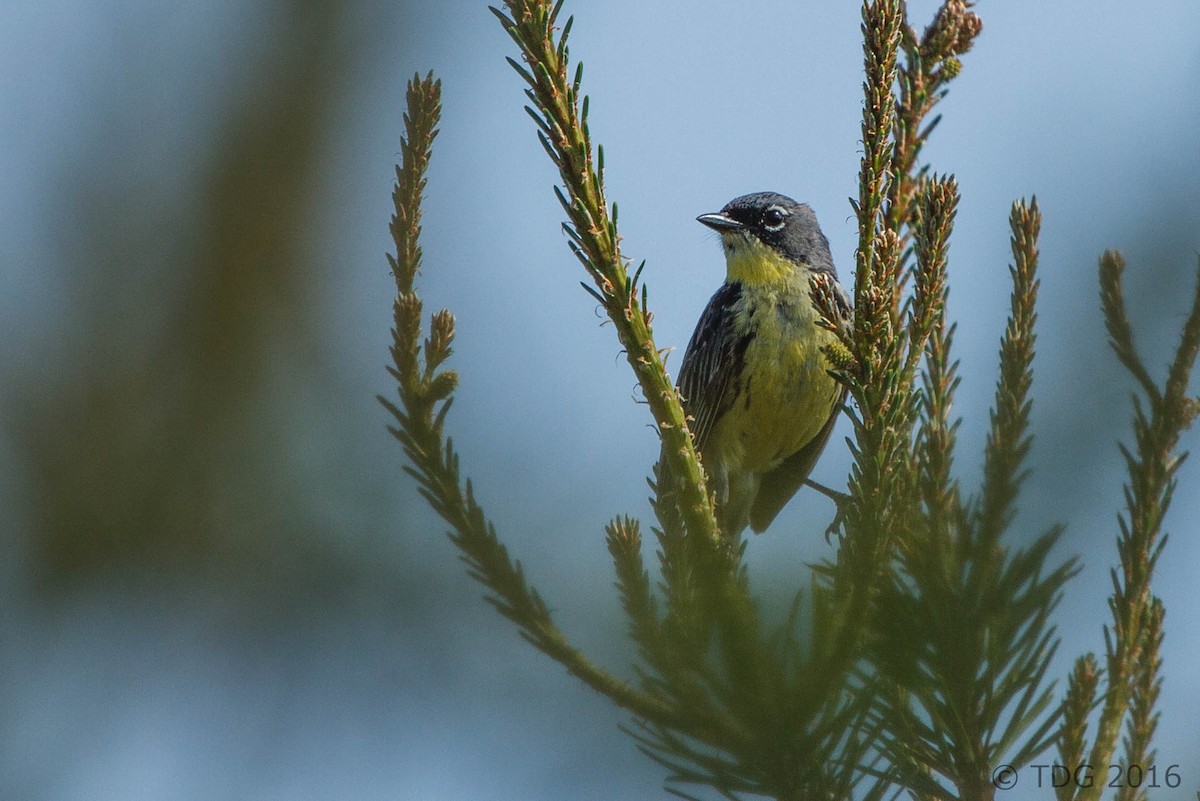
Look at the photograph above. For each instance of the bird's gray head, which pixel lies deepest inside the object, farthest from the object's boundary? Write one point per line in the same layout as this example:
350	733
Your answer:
783	225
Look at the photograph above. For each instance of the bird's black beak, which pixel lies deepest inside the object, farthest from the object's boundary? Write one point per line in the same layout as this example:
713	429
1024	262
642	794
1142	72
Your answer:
720	222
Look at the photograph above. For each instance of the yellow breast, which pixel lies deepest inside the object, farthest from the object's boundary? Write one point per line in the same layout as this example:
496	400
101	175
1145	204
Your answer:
786	392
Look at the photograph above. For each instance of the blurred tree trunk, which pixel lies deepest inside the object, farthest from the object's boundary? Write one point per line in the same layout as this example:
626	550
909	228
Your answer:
158	451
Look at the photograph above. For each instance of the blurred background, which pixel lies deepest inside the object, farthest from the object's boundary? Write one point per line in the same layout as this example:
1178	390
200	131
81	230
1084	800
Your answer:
218	584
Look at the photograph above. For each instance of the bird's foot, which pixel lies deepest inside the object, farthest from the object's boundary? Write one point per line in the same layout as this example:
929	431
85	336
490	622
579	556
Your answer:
840	500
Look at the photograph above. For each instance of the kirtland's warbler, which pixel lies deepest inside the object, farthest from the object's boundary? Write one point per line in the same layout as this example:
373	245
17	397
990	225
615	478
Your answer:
755	382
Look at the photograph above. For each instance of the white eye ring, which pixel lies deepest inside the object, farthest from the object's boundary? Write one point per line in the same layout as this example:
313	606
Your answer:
774	218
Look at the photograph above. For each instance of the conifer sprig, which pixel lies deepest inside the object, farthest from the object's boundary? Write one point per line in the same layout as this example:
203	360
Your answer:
878	358
1132	640
426	392
964	638
930	62
560	113
1008	440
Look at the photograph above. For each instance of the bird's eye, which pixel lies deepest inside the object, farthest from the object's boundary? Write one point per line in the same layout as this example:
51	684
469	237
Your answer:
773	218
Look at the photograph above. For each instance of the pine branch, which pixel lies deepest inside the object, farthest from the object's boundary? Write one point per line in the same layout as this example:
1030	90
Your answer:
685	629
879	358
1077	707
710	654
425	394
1120	333
561	117
705	589
1146	683
929	65
1008	440
873	345
881	27
964	636
674	659
1159	419
936	438
624	539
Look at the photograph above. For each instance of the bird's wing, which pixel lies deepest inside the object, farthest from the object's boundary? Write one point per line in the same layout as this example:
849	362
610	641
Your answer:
712	364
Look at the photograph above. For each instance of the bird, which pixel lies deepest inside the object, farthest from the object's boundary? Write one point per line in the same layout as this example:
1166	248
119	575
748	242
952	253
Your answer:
755	381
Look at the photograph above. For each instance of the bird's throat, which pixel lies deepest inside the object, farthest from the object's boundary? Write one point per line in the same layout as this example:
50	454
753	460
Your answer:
750	262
